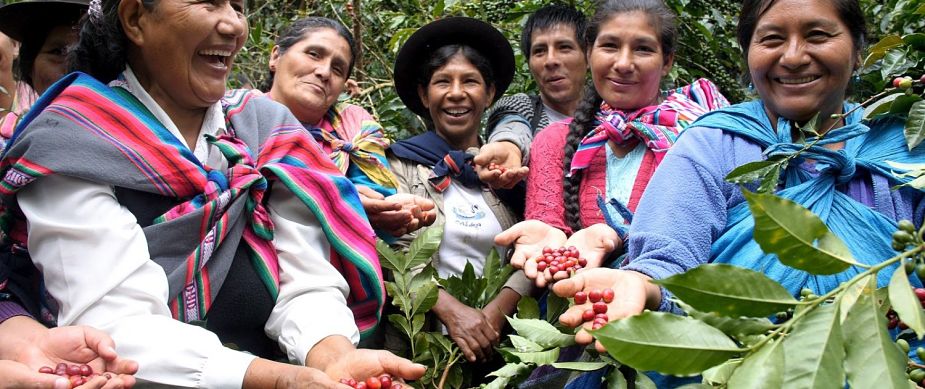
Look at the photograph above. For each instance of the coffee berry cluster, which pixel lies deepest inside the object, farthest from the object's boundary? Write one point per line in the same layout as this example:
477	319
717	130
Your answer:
495	166
914	372
599	299
381	382
563	261
905	82
76	374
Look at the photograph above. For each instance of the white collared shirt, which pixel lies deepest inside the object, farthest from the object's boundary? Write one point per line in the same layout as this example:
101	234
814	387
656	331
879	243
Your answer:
96	264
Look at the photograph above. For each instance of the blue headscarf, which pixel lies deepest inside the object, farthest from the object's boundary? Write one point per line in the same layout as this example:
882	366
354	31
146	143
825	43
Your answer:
866	232
430	149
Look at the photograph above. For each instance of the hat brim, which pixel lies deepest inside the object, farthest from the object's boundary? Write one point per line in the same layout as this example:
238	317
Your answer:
474	33
17	19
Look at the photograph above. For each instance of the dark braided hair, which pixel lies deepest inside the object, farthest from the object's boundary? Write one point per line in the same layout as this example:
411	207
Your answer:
102	47
663	19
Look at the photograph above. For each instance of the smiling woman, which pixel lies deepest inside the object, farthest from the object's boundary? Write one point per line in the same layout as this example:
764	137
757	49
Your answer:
206	218
449	72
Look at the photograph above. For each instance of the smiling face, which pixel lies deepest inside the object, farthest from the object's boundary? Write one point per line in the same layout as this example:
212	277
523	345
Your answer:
558	65
627	63
800	59
311	74
182	50
456	97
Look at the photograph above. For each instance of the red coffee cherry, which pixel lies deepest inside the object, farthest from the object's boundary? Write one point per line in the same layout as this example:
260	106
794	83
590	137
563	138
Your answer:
600	307
607	295
581	298
896	81
386	381
587	315
46	370
373	383
594	296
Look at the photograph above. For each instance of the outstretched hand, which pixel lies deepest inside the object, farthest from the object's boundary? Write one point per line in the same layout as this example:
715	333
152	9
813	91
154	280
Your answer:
360	364
633	292
503	154
529	237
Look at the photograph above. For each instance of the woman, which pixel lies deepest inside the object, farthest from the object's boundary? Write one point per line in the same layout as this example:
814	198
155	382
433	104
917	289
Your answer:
166	229
449	72
621	131
45	29
801	56
310	66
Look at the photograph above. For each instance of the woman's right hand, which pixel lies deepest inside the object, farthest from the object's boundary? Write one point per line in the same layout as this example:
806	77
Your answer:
529	237
467	326
20	376
266	374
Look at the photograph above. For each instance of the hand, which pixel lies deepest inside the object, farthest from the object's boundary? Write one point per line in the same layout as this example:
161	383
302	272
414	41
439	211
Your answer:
19	376
423	211
632	293
262	373
71	344
529	237
384	214
467	326
594	243
361	364
504	154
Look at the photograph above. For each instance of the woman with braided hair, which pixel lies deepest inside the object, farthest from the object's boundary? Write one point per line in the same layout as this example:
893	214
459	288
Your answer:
590	172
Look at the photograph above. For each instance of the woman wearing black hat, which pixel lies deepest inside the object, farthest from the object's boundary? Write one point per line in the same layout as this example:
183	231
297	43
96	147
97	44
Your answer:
45	30
449	72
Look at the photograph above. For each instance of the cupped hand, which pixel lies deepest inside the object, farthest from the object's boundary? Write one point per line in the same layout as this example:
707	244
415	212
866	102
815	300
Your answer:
16	375
594	243
632	291
468	327
384	214
78	345
360	364
529	237
423	211
504	154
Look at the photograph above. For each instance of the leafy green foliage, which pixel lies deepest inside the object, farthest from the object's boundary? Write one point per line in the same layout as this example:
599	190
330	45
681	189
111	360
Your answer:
729	290
475	291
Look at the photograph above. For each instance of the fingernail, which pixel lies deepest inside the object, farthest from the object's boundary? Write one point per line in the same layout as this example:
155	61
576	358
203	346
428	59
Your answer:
420	365
62	383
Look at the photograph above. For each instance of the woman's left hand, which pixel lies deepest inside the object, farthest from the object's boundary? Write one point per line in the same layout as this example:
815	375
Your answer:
361	364
594	243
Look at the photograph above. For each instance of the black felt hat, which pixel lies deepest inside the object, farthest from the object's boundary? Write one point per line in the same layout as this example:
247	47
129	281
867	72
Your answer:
474	33
17	19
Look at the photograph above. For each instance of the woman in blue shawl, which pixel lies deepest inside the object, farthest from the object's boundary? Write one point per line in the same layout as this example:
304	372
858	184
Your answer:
801	57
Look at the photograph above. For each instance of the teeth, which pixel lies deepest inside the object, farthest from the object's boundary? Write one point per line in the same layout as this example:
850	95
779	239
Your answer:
801	80
457	111
220	53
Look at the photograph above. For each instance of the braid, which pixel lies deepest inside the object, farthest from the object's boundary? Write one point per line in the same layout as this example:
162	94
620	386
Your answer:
582	123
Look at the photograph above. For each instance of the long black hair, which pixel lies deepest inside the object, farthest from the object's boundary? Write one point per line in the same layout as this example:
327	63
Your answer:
664	21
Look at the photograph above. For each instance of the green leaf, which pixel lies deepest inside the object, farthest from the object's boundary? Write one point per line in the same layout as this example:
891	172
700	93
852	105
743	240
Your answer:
895	63
886	43
915	125
729	290
425	276
644	382
425	297
528	308
738	327
424	246
666	343
398	299
555	307
752	171
401	322
916	40
903	104
616	380
770	180
391	259
524	345
761	369
905	303
814	351
920	10
541	332
538	357
789	230
580	366
417	322
851	295
719	375
872	359
881	106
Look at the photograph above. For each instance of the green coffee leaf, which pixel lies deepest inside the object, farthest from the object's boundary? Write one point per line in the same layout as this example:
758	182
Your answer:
616	380
541	332
903	104
398	298
737	327
425	297
528	308
510	370
886	43
424	246
391	260
401	322
729	290
814	351
417	322
895	63
719	375
851	296
538	357
752	171
881	106
761	369
524	345
905	303
555	307
789	230
872	359
916	40
915	125
666	343
580	366
644	382
770	180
